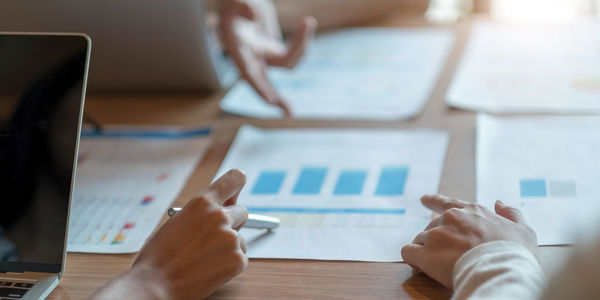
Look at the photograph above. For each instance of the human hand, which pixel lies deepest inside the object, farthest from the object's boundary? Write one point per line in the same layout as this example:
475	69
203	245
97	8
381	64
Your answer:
460	227
194	252
251	35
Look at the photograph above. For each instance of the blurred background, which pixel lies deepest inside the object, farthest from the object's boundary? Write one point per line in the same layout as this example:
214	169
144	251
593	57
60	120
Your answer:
515	10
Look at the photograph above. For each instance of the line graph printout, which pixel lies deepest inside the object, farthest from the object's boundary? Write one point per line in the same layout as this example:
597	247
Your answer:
340	194
126	179
530	69
548	167
363	73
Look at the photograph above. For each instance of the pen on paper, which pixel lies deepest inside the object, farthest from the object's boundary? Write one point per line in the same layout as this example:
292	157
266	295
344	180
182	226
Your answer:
254	221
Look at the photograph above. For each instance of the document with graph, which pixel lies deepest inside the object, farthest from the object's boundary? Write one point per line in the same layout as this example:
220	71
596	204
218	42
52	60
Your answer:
529	69
126	179
340	194
548	167
362	73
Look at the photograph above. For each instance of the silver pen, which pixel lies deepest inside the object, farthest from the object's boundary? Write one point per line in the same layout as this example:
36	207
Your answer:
254	221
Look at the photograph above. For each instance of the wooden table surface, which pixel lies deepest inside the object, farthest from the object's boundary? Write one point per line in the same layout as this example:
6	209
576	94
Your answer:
293	279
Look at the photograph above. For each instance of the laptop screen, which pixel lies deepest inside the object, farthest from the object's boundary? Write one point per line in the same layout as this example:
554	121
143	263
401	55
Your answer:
42	82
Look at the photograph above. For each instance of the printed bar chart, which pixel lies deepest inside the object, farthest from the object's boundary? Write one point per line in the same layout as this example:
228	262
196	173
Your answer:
310	181
268	183
335	190
392	181
530	188
350	182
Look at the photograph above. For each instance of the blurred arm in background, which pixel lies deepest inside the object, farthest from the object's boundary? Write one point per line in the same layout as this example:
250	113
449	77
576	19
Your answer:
253	37
338	13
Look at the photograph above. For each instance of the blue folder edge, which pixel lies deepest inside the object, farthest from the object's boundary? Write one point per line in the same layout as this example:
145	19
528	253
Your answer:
167	133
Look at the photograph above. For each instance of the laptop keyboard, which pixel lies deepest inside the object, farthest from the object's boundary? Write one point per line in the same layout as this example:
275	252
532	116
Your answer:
14	290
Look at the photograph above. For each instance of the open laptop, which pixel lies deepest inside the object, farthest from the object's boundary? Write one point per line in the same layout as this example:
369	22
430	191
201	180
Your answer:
138	44
42	87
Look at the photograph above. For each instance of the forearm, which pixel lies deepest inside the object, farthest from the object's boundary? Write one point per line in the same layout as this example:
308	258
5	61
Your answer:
498	270
336	13
135	283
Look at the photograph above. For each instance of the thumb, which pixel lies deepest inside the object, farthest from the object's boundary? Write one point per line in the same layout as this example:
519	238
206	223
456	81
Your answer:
509	213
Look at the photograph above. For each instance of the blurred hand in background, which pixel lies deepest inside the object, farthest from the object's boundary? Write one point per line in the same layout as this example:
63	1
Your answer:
252	37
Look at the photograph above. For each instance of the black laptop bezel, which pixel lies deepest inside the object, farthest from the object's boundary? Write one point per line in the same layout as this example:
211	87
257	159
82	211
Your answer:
20	267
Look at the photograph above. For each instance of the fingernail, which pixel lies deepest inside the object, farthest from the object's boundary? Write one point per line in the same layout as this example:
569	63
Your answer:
500	202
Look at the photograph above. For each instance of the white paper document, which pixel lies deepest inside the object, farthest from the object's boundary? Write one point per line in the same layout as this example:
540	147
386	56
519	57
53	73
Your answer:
340	194
365	73
548	167
530	69
126	179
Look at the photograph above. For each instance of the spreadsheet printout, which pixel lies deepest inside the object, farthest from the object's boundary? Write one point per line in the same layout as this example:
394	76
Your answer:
518	68
547	167
363	73
340	194
125	181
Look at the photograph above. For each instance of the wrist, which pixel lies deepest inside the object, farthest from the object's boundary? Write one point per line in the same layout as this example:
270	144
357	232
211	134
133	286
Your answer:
147	281
491	252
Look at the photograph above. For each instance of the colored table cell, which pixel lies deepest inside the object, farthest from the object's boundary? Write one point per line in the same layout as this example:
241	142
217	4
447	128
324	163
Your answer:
562	189
268	183
350	182
392	181
147	200
533	188
310	181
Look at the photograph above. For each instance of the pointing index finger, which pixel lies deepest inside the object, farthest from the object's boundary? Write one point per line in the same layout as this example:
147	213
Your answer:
227	187
441	203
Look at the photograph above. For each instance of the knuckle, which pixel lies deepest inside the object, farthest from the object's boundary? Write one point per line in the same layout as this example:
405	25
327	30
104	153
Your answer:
200	202
436	233
239	262
406	255
451	215
473	206
477	208
218	217
229	238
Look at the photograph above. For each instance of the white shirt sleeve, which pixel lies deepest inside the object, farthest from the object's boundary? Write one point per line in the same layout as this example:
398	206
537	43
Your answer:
498	270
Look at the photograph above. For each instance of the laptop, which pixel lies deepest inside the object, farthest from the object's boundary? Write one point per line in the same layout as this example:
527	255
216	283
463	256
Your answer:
42	88
139	45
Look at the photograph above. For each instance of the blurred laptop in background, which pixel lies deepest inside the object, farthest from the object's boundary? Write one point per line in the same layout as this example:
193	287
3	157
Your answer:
138	44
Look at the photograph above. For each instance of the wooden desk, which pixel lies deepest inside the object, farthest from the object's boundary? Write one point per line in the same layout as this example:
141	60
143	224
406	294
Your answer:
292	279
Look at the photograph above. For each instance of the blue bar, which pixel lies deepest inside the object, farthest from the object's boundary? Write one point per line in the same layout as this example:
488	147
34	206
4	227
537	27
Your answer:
310	181
304	210
141	134
392	181
350	182
268	182
533	188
